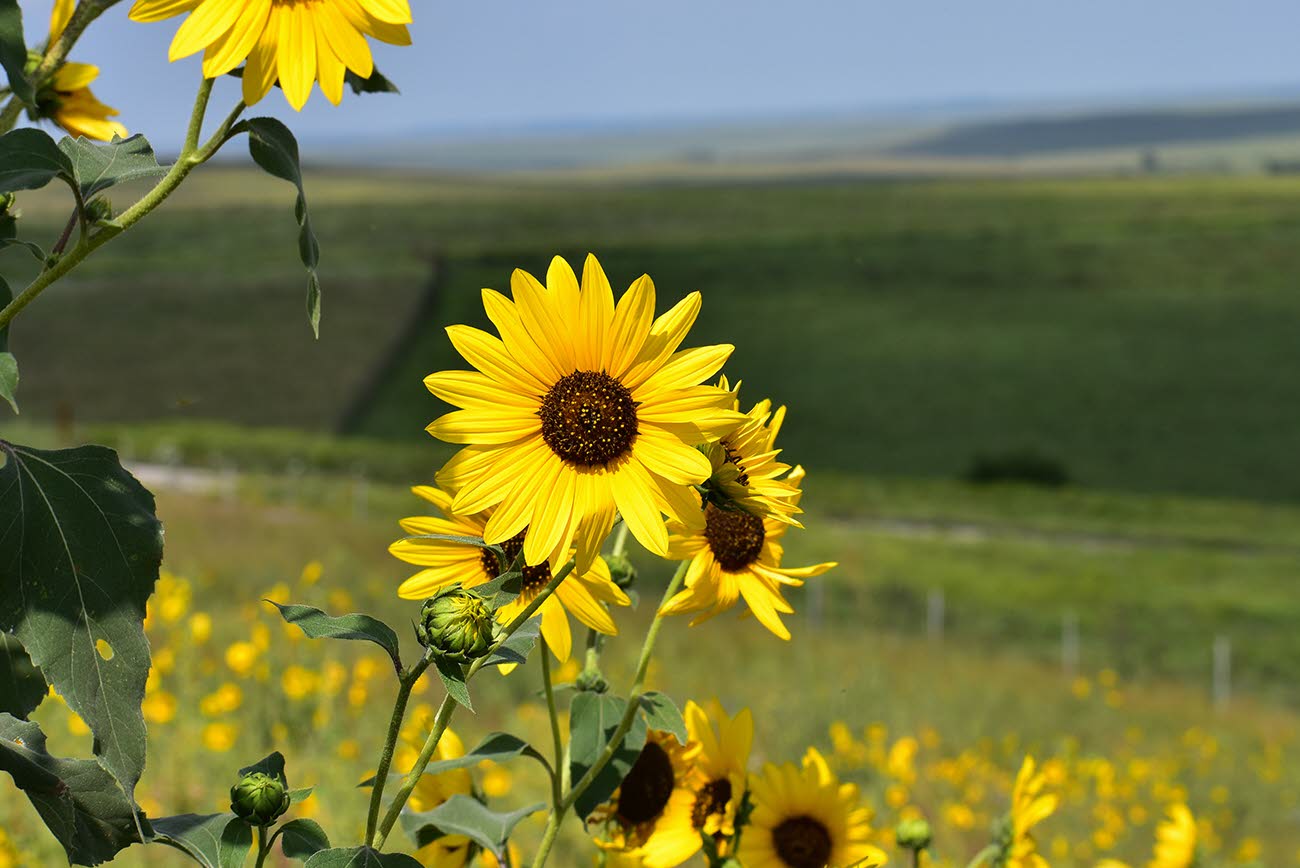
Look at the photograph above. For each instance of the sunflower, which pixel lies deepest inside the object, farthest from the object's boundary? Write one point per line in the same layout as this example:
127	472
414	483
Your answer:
578	409
736	554
717	784
1175	840
449	851
296	42
648	810
1029	807
68	99
805	818
745	472
446	563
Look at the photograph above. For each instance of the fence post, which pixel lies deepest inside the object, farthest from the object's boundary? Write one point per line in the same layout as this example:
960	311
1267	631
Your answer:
934	615
1222	671
1069	644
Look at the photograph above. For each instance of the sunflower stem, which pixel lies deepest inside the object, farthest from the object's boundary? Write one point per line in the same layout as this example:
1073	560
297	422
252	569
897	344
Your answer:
262	847
448	706
185	163
557	794
625	724
406	682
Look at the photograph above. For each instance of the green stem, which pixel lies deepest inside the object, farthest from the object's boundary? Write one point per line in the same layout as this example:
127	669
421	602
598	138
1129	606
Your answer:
624	725
262	849
556	792
406	682
449	705
190	158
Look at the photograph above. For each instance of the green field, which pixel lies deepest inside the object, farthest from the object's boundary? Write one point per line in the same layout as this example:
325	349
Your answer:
1138	332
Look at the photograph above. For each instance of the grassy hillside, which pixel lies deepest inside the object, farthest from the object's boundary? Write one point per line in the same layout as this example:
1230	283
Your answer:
1138	332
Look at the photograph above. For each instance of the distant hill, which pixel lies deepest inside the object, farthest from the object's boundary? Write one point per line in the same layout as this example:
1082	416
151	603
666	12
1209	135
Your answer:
1019	137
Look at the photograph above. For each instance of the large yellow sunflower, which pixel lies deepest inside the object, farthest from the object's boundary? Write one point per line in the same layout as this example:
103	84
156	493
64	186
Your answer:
737	554
653	802
1029	807
805	818
745	471
579	409
718	786
68	99
446	563
296	42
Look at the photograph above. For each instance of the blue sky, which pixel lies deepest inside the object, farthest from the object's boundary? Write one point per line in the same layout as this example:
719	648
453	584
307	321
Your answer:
485	64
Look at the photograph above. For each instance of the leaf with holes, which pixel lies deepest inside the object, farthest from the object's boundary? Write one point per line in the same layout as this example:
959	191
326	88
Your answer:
80	548
273	147
360	857
358	627
463	815
81	803
96	166
593	720
22	687
212	840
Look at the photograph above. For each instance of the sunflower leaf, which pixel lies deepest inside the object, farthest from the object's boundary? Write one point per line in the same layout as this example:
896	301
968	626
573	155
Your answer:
212	840
661	713
9	379
464	815
271	766
29	159
96	166
593	721
303	838
360	857
318	625
503	590
376	83
13	51
79	801
520	644
453	678
467	541
9	238
22	687
273	147
80	549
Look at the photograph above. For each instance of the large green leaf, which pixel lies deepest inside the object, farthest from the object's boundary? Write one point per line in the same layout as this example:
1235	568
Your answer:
517	648
273	147
463	815
661	713
497	747
453	680
80	548
29	159
302	838
271	765
13	51
9	379
360	857
318	625
96	166
81	803
22	687
593	720
212	840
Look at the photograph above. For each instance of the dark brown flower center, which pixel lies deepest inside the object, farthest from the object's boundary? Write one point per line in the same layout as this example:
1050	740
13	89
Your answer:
645	791
589	418
711	799
802	842
535	578
735	536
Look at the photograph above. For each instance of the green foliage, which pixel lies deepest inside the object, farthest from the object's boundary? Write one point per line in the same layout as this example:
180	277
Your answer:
82	804
376	83
96	166
318	625
21	685
520	644
661	713
13	50
463	815
302	838
212	840
273	147
360	857
29	159
593	721
9	379
80	549
452	675
497	747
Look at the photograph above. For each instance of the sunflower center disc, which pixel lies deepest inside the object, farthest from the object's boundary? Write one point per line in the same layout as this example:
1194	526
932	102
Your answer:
644	793
802	842
535	578
712	799
589	418
735	536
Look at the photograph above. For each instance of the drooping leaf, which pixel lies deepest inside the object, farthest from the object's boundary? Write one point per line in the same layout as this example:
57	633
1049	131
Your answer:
81	803
300	795
661	713
463	815
29	159
80	548
593	721
318	625
22	687
13	51
360	857
497	747
273	147
376	83
517	648
212	840
271	765
9	379
96	166
453	679
303	838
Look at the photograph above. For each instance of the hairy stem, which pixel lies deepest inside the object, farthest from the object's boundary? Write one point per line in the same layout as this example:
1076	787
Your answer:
556	792
262	848
406	682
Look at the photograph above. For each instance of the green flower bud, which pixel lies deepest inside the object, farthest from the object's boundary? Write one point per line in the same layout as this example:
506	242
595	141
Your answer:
99	209
621	570
913	834
591	681
259	798
457	624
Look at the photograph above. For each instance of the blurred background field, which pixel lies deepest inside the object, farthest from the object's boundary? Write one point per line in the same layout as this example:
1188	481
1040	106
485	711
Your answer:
1047	402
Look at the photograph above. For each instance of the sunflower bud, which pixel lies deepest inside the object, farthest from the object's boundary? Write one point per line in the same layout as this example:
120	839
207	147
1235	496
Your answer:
259	798
457	624
621	570
913	834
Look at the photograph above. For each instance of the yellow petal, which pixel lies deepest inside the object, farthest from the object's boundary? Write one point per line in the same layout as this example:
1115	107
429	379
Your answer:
504	425
345	40
234	46
159	10
584	607
666	335
595	313
296	55
686	369
552	514
670	458
490	355
634	494
555	629
75	76
59	16
631	324
474	389
204	26
260	71
389	11
540	314
526	347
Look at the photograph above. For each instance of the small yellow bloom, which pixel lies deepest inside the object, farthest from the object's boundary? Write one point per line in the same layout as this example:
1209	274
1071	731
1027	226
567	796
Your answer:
299	682
200	627
240	657
219	737
159	707
311	573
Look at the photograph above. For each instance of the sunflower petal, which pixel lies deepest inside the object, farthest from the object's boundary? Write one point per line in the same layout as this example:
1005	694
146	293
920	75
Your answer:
204	25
